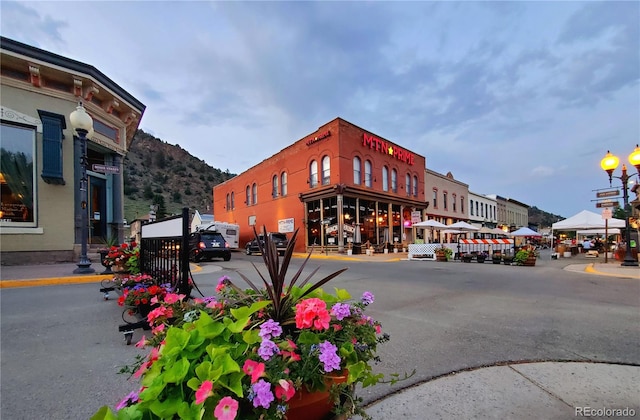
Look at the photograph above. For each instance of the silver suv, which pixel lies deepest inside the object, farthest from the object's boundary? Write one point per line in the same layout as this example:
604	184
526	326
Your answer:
279	239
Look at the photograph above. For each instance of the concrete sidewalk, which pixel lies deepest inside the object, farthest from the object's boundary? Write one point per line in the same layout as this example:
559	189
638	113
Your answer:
546	390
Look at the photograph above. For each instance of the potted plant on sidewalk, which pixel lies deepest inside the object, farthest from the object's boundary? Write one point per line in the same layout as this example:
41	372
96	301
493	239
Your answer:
287	349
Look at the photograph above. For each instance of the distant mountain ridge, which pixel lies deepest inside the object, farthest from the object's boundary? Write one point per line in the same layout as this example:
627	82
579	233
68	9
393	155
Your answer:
156	172
166	175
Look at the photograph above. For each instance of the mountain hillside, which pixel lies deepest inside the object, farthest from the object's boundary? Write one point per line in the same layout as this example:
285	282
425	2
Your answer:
166	175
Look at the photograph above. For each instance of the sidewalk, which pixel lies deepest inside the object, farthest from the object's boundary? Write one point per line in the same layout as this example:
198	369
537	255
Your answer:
547	390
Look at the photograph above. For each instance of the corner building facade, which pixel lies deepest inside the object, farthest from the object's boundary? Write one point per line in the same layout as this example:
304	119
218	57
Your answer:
341	186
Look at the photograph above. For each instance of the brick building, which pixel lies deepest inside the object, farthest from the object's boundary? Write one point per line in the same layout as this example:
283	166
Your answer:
340	185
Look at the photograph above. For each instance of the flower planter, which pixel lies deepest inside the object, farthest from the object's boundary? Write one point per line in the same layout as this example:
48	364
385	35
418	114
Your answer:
480	258
316	405
103	256
507	260
441	256
467	258
530	261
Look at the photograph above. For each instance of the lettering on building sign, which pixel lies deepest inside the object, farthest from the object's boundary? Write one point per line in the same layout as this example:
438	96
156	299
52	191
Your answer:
318	138
387	148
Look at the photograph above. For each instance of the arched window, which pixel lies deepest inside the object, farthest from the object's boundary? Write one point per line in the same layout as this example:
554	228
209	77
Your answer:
274	186
326	170
233	200
313	174
394	180
415	186
407	184
385	178
283	184
247	199
356	170
367	173
462	204
254	193
228	202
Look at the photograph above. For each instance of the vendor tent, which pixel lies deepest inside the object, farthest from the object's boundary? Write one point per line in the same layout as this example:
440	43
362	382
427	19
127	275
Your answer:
586	220
524	231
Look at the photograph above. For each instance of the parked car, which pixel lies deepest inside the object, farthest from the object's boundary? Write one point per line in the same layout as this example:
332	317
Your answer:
205	245
279	239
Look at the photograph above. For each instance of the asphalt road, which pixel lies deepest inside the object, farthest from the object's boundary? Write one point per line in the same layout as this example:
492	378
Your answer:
61	349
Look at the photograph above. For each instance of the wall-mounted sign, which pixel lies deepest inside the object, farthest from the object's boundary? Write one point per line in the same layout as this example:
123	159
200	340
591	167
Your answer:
318	138
252	220
416	217
286	225
105	169
387	148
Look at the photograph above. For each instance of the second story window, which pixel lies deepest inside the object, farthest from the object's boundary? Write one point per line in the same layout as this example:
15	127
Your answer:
407	184
313	174
472	207
274	186
254	193
461	204
228	207
283	184
367	173
453	202
233	200
326	170
415	186
385	178
356	170
435	198
444	200
394	180
247	199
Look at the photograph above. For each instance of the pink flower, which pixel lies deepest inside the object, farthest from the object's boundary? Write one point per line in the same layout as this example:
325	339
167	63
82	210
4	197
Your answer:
226	409
159	312
204	391
140	344
173	298
285	390
312	313
253	368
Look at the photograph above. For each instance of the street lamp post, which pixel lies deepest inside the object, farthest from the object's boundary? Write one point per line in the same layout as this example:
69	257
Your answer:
83	124
609	163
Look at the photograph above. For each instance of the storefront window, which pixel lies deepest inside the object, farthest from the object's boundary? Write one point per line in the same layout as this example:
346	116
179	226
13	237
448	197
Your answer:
397	223
17	175
330	218
313	223
349	216
383	223
367	216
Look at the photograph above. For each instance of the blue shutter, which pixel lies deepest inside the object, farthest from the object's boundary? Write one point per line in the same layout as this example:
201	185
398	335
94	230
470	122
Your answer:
52	126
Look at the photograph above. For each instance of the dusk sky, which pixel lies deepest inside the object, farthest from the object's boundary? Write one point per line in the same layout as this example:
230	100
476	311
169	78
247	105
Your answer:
519	99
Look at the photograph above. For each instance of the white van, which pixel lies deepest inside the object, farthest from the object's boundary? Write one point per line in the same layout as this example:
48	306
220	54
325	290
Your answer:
230	232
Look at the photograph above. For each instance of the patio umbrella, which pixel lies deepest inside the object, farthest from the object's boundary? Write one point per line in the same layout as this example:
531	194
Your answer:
433	224
524	231
498	231
463	226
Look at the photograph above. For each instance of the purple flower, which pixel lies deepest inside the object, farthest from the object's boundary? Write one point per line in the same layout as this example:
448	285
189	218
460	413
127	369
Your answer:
367	298
329	357
267	349
270	329
131	398
341	310
263	395
210	299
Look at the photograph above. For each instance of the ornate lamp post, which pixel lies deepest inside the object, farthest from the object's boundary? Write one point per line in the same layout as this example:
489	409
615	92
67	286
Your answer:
83	124
609	163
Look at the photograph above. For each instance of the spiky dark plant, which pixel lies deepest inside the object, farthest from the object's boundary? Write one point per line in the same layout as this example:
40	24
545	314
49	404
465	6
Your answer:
278	290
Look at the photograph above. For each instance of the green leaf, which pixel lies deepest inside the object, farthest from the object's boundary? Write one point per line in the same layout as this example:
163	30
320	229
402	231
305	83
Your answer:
342	294
307	337
153	390
194	383
175	341
355	371
247	311
251	337
133	412
104	413
202	370
236	327
190	411
233	383
165	409
207	327
177	371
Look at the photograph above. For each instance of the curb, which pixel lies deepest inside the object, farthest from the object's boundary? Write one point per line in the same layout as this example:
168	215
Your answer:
54	281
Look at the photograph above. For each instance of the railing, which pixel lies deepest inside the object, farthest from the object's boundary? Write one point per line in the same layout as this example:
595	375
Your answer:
428	251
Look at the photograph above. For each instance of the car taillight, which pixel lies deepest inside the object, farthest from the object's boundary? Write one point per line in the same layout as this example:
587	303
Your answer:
226	245
201	245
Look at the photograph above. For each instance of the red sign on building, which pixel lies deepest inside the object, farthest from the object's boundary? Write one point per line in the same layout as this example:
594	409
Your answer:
387	148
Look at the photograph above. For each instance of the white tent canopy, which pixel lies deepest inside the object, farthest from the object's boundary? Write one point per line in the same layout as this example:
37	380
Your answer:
463	226
586	220
431	223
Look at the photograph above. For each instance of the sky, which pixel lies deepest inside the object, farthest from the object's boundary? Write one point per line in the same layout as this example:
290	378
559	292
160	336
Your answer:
518	99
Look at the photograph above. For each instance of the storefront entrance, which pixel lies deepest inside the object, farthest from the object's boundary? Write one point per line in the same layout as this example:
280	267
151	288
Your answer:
97	209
